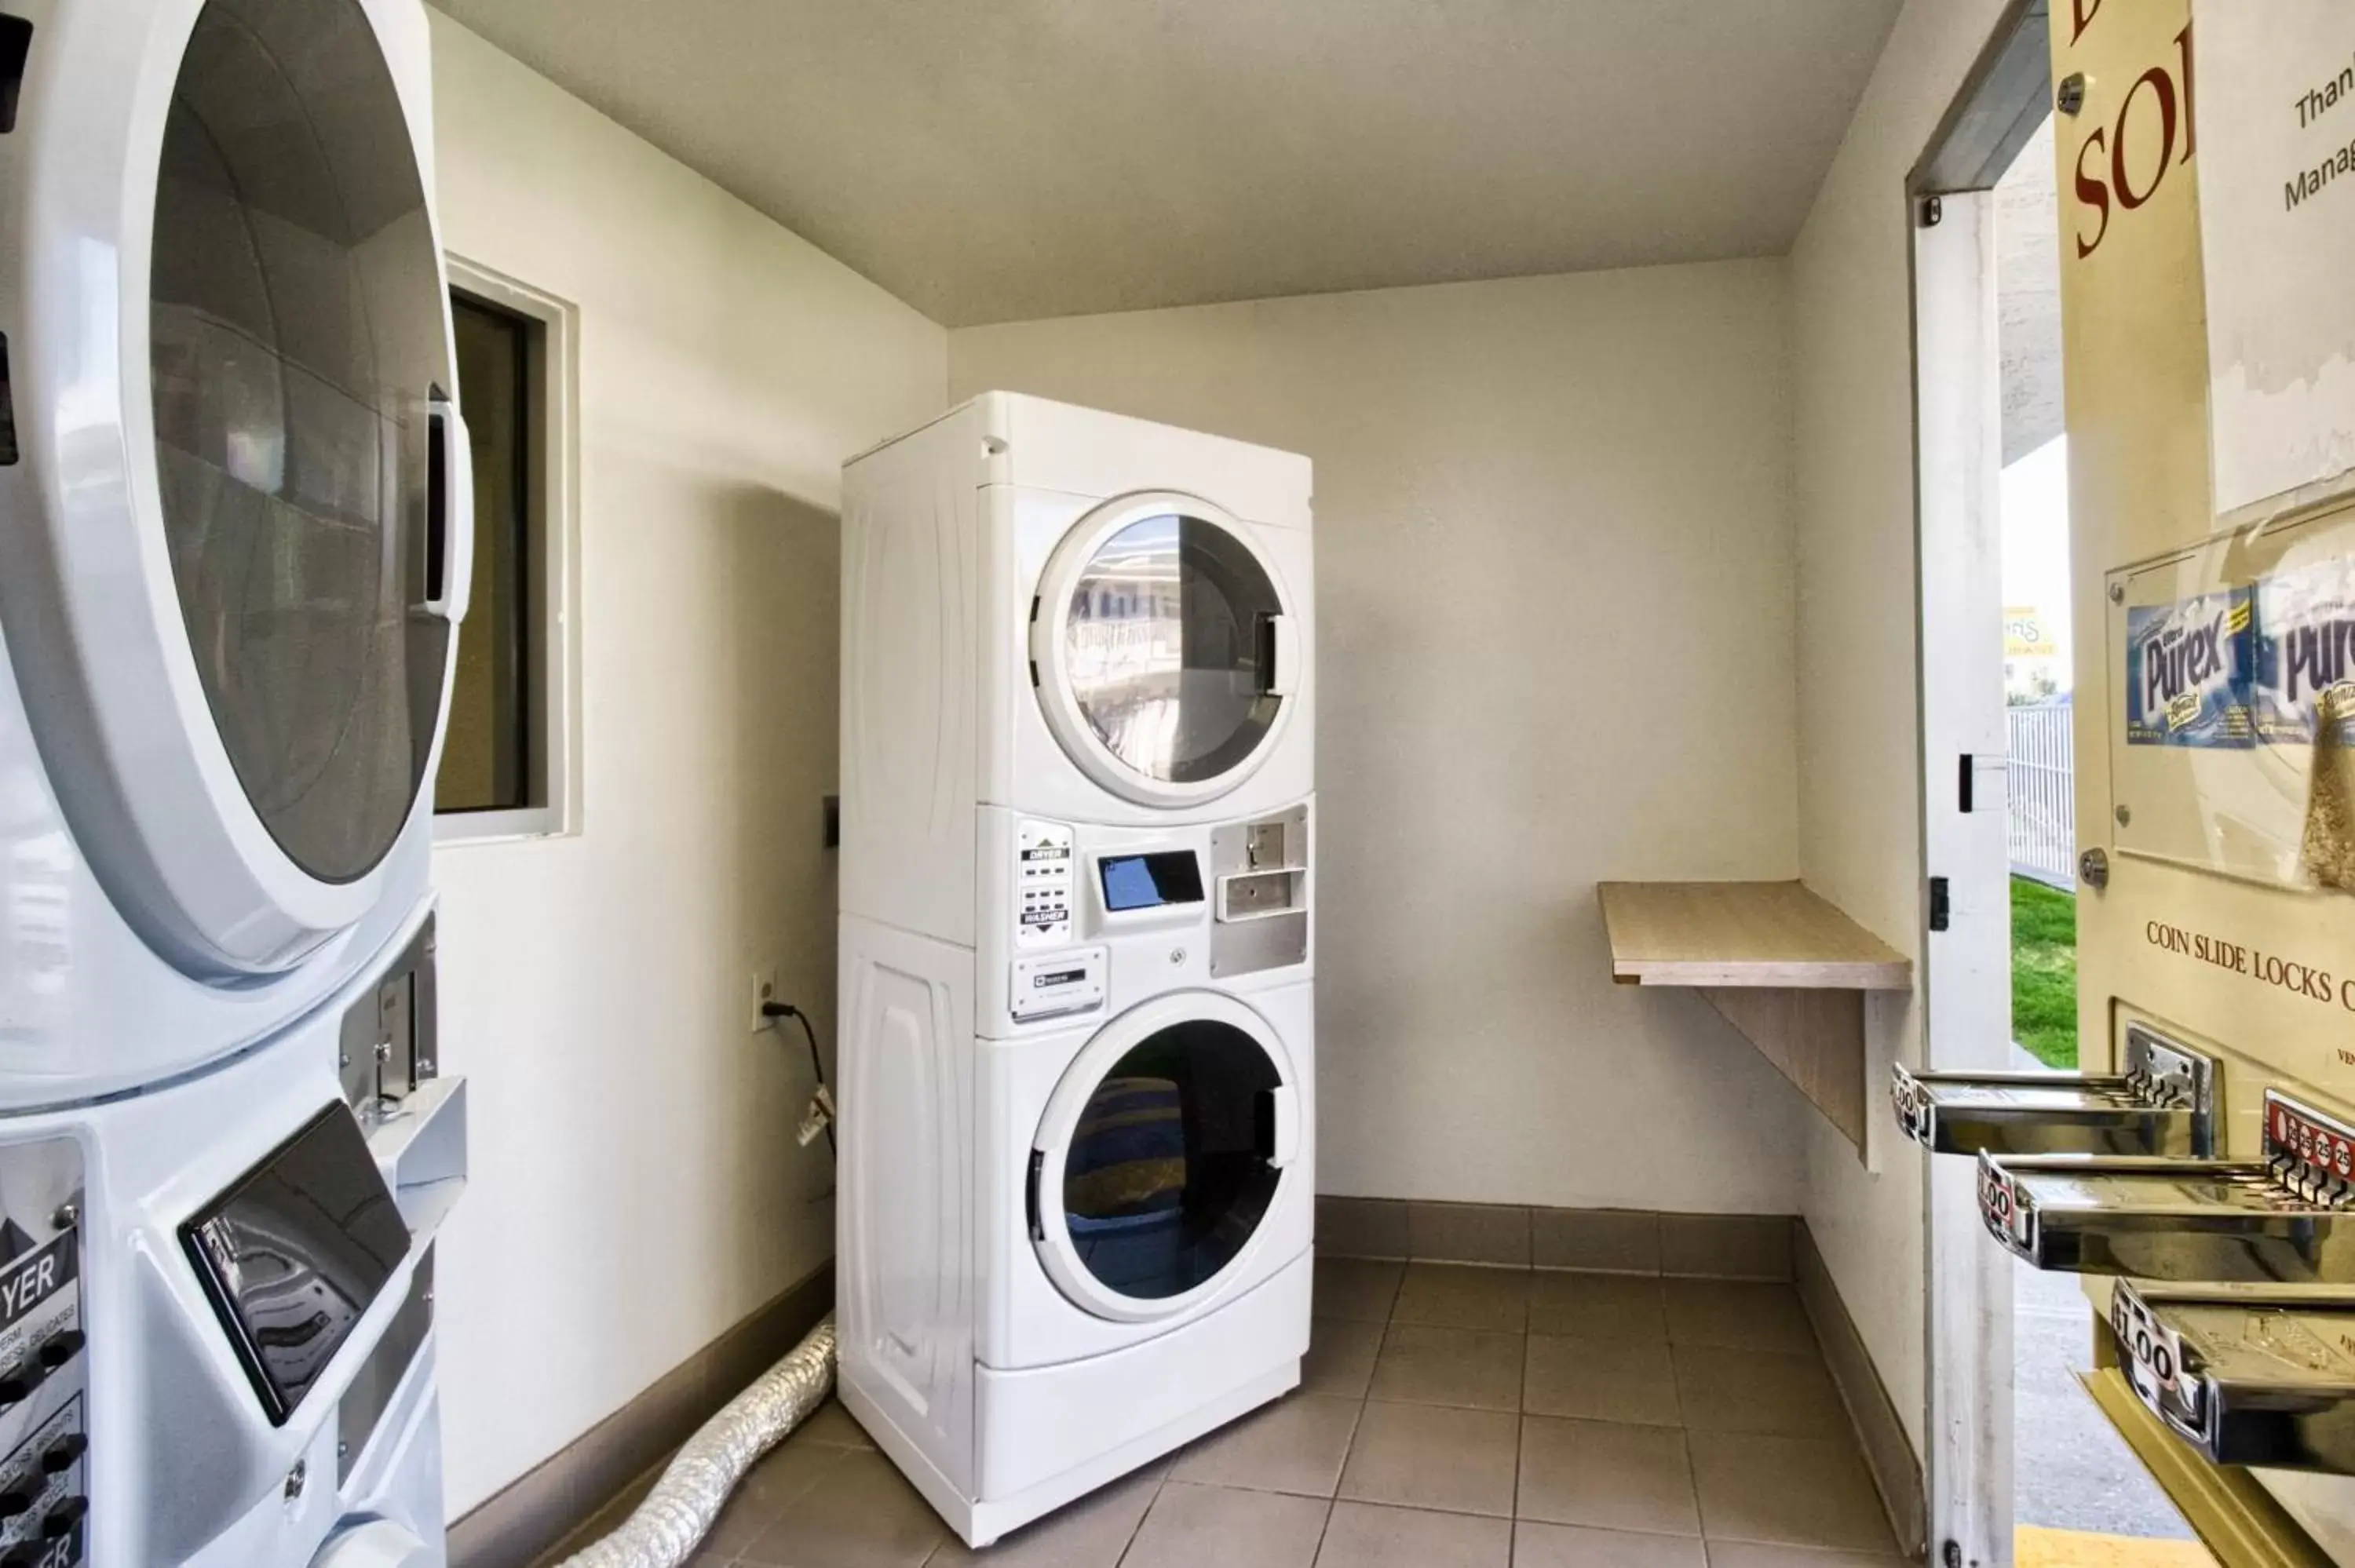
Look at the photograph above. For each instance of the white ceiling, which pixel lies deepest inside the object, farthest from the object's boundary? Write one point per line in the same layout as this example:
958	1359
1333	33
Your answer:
995	160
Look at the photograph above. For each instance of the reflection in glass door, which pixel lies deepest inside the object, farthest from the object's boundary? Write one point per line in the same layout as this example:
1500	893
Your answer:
1169	648
1168	1174
297	344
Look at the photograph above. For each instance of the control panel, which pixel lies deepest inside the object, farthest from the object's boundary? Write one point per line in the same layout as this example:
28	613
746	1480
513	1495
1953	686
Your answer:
43	1361
1071	981
1042	886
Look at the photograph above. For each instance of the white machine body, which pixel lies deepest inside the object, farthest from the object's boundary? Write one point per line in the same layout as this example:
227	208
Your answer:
1076	948
970	548
236	509
235	505
217	1350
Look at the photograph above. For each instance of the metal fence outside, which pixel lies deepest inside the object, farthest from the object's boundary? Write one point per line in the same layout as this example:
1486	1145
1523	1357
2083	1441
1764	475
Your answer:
2040	789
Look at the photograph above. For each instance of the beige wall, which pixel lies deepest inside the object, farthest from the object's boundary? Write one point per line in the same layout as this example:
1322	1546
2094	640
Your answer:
636	1188
1554	590
1858	675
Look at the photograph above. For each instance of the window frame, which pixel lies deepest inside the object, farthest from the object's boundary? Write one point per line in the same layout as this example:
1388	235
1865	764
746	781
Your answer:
551	643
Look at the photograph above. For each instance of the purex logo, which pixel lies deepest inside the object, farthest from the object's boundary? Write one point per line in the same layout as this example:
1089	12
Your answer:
2317	656
2180	660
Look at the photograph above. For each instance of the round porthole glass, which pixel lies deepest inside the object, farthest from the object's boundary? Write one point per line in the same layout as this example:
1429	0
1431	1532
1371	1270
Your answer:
1168	648
1167	1175
297	323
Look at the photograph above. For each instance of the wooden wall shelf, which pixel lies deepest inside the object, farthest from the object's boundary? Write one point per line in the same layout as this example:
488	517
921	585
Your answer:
1784	966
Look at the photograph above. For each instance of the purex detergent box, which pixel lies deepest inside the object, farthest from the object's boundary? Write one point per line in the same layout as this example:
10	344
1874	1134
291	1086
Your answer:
2188	669
2305	652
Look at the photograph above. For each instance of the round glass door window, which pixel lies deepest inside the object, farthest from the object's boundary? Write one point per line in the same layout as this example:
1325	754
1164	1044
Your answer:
1167	1173
1169	648
298	337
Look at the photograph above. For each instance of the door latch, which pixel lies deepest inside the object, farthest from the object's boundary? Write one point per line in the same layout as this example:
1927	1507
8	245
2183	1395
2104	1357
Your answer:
1940	905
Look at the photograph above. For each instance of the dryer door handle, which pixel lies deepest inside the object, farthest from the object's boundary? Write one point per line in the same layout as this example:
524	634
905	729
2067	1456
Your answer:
1281	678
449	513
1280	1125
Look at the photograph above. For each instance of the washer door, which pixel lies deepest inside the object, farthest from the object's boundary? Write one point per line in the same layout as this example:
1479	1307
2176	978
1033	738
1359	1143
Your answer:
253	539
1163	649
1161	1151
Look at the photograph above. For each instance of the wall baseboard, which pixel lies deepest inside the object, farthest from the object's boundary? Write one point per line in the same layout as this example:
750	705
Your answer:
1614	1240
1888	1452
518	1525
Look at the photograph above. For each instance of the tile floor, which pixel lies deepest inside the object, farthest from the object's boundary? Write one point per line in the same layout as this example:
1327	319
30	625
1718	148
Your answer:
1448	1418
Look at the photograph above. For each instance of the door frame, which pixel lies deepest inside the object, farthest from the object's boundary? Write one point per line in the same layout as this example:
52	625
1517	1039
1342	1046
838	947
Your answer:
1957	358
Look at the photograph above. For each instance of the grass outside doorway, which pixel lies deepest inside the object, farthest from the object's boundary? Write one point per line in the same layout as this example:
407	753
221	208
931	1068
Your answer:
2044	972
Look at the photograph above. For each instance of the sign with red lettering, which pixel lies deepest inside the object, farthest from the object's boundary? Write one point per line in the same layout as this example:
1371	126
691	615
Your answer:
2122	160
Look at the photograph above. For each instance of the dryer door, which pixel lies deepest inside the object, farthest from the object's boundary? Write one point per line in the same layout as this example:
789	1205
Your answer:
1161	1151
246	512
1164	648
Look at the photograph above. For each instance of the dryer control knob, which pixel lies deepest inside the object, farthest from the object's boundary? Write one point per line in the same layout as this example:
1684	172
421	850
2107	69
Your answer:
378	1543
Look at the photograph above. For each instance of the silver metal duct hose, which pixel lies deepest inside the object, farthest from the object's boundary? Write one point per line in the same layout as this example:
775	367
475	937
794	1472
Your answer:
685	1504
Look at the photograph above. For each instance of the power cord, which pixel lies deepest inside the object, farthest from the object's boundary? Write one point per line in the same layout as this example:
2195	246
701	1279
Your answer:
822	1103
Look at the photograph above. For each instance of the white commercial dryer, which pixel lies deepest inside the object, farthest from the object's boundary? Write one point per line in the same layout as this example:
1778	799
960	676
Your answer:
234	509
1078	1021
1064	612
237	522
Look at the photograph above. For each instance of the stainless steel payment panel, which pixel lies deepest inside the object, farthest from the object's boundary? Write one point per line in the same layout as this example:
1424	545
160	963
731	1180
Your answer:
2249	1374
2288	1217
2164	1103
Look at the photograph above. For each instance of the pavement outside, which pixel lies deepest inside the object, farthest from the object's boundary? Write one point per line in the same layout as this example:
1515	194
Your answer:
2070	1471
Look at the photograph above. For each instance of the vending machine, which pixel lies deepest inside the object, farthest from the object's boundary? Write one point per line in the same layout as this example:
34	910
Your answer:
2198	1175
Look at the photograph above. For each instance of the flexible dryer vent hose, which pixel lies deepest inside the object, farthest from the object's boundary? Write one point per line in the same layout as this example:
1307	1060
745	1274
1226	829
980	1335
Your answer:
685	1504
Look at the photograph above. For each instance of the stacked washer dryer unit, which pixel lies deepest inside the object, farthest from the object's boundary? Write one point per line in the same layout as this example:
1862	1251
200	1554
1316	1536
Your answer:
1076	1024
235	529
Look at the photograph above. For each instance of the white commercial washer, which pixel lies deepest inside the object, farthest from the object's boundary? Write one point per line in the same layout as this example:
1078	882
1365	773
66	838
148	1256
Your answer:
1078	1021
235	510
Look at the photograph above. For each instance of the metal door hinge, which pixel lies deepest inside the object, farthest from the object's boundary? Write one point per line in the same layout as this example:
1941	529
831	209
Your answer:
1940	905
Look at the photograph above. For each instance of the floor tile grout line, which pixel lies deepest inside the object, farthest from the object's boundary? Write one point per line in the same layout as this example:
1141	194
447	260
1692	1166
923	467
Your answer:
1325	1525
1160	1485
1692	1481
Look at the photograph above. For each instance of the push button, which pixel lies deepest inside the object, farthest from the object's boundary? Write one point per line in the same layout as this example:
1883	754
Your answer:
60	1520
18	1382
61	1455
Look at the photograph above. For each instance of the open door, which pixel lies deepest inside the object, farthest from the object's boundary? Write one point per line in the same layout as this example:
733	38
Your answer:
1966	909
2184	1202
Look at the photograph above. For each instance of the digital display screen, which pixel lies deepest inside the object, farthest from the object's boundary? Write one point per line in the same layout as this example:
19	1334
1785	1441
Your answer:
294	1252
1149	881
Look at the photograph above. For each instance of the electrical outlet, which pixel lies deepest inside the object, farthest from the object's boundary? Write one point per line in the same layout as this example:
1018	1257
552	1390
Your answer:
764	992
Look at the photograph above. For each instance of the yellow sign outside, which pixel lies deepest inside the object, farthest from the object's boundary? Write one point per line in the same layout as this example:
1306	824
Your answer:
2026	635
